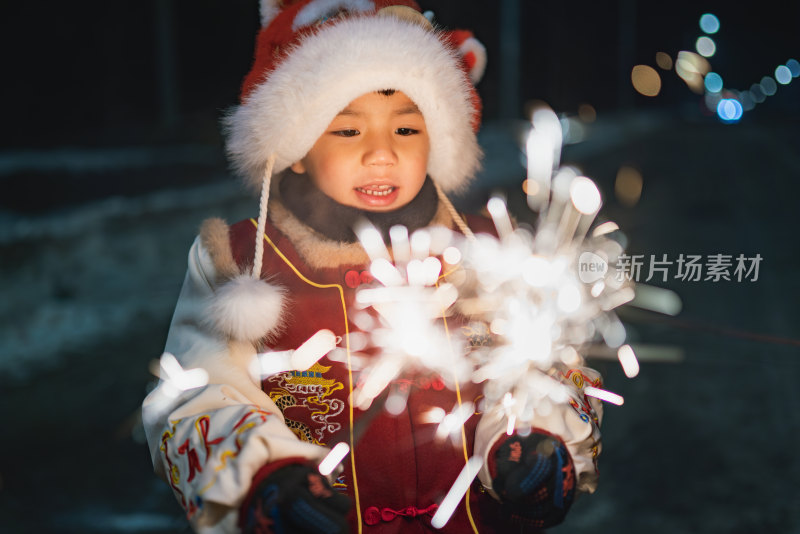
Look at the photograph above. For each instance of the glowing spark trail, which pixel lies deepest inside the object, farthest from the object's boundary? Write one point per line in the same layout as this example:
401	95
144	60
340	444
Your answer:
331	461
300	359
456	493
602	394
177	379
630	365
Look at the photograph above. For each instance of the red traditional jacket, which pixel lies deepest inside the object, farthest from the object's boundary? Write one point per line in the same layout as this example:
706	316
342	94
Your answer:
212	442
397	471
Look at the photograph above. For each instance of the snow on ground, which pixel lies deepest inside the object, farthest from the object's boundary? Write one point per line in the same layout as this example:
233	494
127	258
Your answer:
80	276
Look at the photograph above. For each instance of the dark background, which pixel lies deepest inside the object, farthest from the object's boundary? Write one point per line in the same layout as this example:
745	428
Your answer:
111	156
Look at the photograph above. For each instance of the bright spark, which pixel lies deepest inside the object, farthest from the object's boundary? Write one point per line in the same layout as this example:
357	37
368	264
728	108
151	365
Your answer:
604	395
337	454
371	240
605	228
178	380
400	245
627	358
300	359
313	349
497	209
457	492
585	195
451	423
452	255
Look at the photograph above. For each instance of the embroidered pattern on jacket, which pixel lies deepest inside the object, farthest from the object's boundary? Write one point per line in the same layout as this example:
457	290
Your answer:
197	452
313	392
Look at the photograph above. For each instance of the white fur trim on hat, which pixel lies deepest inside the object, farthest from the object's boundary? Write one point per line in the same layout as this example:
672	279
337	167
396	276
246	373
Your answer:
287	113
247	309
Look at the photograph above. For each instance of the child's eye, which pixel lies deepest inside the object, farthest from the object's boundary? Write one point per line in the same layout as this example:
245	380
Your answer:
346	133
406	131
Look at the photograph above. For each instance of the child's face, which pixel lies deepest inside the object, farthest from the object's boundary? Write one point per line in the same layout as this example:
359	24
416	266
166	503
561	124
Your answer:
373	155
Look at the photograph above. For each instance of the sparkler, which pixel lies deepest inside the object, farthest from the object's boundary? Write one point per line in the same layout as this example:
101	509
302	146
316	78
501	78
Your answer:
547	296
403	326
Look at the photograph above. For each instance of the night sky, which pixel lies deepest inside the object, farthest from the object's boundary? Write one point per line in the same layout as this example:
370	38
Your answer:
91	73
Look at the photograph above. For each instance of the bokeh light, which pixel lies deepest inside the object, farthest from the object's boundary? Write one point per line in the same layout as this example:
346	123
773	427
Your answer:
783	75
746	99
712	101
585	195
709	23
572	130
769	86
628	185
587	113
729	110
706	46
794	67
664	60
646	80
757	93
452	255
692	68
713	82
530	187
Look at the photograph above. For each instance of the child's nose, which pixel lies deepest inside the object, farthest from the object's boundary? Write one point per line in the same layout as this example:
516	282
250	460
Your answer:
379	150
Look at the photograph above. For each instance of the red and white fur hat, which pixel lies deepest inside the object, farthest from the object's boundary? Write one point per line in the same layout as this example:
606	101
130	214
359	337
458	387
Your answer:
314	57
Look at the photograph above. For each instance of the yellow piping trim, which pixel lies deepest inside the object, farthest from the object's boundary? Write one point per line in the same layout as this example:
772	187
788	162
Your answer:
463	431
349	366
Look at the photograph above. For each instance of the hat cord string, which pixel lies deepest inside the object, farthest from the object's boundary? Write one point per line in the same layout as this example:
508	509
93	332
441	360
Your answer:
457	219
262	217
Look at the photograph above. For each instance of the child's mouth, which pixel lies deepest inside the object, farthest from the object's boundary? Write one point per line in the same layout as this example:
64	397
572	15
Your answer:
377	196
377	190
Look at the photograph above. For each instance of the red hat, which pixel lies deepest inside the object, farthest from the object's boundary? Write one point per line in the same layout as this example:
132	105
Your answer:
313	57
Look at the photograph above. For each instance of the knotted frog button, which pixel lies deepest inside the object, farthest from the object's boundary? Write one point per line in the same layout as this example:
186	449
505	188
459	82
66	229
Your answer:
372	516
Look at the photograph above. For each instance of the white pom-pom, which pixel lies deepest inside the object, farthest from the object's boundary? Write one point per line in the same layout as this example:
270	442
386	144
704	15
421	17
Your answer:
246	309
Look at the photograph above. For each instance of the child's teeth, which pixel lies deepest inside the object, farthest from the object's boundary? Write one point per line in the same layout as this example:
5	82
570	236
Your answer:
380	191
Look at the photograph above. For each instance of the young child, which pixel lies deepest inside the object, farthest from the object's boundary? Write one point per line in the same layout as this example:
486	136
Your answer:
353	108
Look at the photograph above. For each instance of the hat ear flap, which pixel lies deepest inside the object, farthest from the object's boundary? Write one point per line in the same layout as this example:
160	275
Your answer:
472	52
